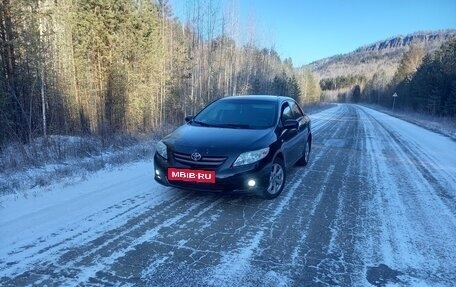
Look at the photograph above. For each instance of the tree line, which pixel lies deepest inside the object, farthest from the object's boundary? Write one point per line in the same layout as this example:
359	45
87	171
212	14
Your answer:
424	83
104	67
341	82
431	87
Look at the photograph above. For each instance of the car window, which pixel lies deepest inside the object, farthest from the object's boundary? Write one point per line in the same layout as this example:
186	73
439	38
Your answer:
297	112
287	113
239	114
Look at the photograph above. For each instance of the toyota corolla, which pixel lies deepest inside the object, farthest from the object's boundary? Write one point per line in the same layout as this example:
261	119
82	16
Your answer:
239	143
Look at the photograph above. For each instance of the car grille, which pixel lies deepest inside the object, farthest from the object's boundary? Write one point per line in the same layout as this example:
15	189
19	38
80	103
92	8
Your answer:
205	161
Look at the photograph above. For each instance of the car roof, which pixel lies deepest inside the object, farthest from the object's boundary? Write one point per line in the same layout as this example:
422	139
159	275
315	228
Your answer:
257	97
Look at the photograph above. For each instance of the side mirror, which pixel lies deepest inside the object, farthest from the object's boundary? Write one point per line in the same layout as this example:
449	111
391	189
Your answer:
188	118
291	124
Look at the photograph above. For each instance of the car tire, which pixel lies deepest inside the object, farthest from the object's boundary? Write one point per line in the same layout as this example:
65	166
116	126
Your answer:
304	160
277	179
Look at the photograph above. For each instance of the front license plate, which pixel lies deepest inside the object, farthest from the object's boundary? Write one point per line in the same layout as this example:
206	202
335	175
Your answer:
191	175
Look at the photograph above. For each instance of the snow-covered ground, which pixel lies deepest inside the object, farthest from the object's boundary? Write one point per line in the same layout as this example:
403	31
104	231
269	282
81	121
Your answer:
64	158
376	206
412	175
443	125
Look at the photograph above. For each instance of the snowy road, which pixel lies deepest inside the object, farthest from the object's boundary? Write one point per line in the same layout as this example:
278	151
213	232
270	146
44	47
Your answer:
375	207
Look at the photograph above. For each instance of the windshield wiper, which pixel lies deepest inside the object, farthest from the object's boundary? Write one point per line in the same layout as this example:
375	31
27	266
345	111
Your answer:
232	126
235	126
203	124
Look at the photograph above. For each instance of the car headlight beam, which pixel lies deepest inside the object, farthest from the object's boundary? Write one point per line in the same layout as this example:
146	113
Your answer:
251	156
162	150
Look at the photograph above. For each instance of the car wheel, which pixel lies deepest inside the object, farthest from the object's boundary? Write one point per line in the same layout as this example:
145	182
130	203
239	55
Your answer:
276	180
304	160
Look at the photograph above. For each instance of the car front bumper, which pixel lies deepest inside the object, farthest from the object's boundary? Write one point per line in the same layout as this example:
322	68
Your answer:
233	179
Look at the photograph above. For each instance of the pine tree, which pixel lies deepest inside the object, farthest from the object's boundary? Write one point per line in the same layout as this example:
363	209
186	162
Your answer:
356	96
293	88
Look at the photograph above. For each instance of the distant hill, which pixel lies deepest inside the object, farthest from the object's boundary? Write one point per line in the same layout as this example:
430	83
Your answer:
383	56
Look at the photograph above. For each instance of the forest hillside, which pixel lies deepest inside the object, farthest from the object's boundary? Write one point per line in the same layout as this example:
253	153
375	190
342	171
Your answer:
106	67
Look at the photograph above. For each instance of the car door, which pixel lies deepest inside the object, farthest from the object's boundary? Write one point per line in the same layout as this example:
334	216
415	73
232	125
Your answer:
303	129
290	139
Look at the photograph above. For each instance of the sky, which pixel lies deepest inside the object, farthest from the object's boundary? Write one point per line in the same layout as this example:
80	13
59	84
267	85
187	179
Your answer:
307	31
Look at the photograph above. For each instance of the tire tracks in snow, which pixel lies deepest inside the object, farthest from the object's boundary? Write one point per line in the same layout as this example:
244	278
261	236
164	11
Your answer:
27	253
325	247
255	251
72	254
416	219
366	198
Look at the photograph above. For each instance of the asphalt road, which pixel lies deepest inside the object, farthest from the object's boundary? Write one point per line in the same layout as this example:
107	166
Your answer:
376	206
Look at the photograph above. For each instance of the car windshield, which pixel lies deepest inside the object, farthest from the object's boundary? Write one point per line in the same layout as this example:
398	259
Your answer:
248	114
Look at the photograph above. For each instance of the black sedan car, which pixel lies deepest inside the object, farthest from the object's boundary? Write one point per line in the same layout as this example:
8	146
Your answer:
239	143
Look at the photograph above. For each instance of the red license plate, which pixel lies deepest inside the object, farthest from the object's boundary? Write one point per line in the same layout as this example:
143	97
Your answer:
191	175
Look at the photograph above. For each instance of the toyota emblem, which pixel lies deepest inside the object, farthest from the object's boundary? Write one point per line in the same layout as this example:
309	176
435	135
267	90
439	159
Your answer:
196	156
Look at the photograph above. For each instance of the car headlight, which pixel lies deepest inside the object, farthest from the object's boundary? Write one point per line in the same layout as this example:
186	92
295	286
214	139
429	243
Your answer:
251	156
162	149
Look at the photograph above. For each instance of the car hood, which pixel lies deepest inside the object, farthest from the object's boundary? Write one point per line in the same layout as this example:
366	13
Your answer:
220	141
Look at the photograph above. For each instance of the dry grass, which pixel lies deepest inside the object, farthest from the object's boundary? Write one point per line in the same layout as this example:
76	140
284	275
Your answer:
61	157
442	125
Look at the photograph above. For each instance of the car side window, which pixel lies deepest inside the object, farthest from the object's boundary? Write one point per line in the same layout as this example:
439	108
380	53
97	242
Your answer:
287	113
297	112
